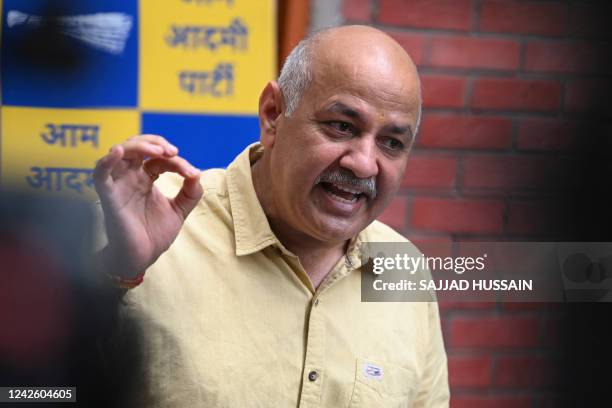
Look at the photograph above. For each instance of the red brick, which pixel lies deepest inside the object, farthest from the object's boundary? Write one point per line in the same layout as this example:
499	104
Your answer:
547	134
526	17
470	52
433	241
357	11
494	332
412	43
482	401
465	132
521	306
590	19
395	214
588	96
469	371
565	56
524	372
528	218
442	14
516	94
443	91
457	215
514	172
432	245
427	171
447	305
553	327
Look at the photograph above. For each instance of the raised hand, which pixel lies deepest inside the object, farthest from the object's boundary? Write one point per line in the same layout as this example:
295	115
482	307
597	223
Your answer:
141	222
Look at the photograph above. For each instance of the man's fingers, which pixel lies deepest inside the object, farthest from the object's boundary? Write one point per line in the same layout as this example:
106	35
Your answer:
188	197
191	192
104	167
157	166
163	146
138	149
129	156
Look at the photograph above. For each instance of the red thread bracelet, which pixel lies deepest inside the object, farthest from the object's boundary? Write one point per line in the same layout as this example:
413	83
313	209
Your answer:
127	283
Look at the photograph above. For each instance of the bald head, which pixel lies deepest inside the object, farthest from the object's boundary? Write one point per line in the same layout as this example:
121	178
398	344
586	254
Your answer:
356	53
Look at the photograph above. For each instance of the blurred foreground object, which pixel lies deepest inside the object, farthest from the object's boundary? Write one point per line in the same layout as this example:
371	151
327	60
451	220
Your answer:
55	316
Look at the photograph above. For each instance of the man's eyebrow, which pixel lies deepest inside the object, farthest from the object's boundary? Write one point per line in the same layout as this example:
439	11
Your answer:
400	130
345	110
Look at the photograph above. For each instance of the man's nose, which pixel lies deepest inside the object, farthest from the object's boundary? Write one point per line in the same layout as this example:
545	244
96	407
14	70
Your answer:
361	158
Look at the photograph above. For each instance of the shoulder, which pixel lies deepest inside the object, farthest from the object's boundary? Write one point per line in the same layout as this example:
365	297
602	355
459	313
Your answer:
209	225
378	232
214	201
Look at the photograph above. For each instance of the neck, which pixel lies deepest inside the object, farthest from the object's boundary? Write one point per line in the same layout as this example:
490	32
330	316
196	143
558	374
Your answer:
316	256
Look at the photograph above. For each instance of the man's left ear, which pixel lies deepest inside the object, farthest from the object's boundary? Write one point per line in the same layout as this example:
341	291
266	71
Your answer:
270	110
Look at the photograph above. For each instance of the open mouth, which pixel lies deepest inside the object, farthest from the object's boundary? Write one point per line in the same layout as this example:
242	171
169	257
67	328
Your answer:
342	193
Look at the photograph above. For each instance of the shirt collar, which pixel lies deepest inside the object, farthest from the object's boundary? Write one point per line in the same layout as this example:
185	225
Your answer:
251	228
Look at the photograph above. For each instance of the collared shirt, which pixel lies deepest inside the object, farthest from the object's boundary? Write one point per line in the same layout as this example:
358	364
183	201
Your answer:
228	317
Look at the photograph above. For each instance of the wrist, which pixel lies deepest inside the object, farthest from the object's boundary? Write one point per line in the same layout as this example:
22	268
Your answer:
126	283
110	270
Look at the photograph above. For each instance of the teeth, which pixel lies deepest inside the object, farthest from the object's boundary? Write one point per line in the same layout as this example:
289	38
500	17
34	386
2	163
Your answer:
347	189
354	199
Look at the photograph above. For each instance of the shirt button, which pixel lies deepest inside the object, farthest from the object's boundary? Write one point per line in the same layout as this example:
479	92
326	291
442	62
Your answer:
316	302
312	376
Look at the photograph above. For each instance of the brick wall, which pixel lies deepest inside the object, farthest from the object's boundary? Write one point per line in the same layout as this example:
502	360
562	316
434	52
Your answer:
514	144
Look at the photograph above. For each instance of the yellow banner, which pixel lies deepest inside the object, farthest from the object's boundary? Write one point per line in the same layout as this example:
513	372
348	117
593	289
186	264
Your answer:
55	150
205	55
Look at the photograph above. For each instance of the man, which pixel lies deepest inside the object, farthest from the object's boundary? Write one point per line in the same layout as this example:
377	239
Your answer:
257	300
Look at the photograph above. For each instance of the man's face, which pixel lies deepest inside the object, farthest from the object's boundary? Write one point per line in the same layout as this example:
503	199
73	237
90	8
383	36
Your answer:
339	159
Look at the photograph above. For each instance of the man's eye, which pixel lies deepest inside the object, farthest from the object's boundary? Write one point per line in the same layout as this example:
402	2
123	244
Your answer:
342	127
393	144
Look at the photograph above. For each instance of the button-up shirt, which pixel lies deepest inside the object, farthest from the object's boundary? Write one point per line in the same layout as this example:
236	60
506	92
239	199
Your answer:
228	317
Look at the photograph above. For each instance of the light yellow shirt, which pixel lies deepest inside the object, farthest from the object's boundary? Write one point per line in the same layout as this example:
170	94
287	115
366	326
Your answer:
229	318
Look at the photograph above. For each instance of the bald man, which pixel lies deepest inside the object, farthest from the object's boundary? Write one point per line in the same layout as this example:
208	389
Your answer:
254	300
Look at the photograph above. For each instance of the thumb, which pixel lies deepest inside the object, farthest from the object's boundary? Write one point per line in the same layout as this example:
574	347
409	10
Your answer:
188	197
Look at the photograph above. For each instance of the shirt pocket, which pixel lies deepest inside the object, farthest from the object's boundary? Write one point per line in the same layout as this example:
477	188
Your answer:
382	384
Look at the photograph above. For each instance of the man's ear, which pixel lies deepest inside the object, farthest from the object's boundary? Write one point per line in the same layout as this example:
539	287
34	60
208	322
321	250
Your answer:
270	110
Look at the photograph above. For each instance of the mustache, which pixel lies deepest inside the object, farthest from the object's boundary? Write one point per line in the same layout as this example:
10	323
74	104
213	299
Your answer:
343	177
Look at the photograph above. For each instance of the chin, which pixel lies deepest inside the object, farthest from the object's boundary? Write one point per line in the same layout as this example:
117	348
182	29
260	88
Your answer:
335	230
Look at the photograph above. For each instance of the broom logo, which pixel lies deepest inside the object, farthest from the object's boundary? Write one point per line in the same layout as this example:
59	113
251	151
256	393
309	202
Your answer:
104	31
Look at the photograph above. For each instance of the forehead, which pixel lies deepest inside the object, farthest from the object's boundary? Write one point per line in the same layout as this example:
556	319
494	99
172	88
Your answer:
375	76
373	93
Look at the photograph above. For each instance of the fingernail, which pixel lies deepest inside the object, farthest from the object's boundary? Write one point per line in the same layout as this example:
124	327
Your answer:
173	149
194	172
